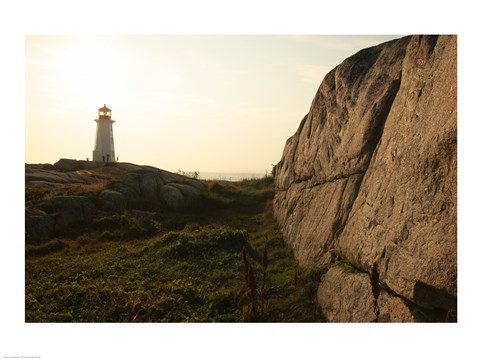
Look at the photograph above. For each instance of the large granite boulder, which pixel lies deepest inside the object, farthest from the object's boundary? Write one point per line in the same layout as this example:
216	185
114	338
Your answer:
404	216
324	162
370	175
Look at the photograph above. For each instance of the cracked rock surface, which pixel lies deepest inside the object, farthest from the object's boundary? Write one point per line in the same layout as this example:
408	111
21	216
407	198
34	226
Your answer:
370	176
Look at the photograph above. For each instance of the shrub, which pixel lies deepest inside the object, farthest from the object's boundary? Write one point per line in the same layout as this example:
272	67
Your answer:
49	247
89	190
190	174
215	185
124	226
205	242
34	194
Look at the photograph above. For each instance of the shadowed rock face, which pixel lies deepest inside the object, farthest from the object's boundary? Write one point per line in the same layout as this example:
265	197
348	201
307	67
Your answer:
370	176
323	164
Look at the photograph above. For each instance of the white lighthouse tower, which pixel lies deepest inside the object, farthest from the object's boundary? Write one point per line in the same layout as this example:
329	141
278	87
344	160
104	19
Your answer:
104	148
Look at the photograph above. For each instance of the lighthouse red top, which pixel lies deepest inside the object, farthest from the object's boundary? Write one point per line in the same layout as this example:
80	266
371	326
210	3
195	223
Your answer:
104	113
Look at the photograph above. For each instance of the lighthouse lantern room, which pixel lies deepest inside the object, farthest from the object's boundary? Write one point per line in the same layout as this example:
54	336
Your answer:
104	149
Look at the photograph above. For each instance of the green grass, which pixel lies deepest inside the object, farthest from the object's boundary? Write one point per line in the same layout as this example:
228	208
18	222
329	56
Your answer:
174	267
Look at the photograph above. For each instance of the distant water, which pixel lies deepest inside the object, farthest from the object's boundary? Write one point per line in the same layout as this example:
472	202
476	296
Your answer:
229	176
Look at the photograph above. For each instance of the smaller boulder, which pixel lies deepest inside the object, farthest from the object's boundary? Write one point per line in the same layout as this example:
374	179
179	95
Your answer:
346	297
149	185
74	209
127	191
200	186
67	165
111	200
132	180
171	197
190	194
89	165
38	225
349	297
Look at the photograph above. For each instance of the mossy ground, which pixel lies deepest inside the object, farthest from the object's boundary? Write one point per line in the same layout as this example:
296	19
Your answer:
174	266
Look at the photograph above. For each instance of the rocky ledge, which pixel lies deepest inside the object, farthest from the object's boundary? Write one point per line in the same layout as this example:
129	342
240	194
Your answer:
369	181
71	192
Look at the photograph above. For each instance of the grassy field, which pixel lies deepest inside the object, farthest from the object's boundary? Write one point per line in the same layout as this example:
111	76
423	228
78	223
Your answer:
224	261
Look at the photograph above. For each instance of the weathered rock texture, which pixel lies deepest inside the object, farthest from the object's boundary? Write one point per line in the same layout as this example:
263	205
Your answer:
351	297
370	176
114	187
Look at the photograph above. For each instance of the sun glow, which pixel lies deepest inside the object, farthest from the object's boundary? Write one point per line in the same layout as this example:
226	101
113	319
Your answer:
90	68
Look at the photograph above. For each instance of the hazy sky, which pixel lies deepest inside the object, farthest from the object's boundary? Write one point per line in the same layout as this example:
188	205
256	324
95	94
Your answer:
196	103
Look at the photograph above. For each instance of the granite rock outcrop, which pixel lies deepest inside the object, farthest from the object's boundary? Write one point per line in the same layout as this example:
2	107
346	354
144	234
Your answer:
370	178
55	194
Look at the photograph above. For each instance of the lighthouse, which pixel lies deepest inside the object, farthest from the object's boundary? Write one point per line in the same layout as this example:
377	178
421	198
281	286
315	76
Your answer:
104	148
